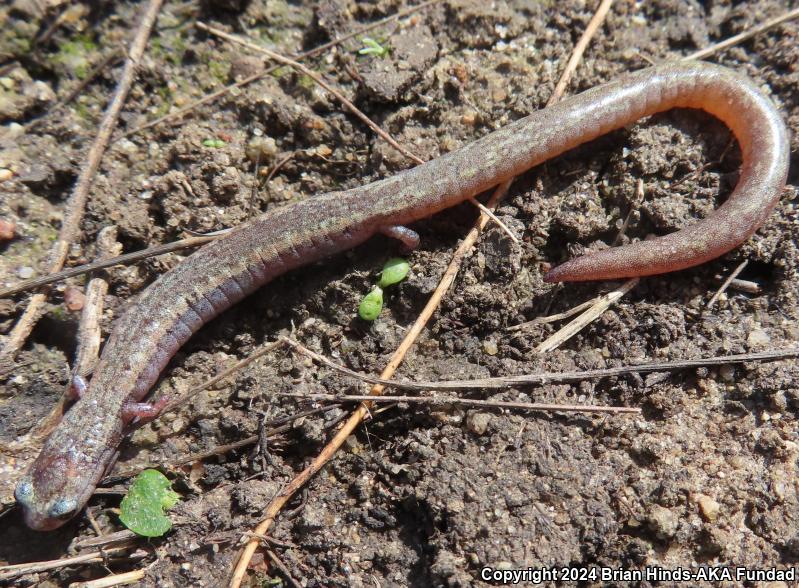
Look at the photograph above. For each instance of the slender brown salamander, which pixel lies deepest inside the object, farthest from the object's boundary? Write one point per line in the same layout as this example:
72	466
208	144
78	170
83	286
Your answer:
221	273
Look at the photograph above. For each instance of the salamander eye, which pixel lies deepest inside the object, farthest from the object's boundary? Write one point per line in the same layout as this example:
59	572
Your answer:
63	509
24	492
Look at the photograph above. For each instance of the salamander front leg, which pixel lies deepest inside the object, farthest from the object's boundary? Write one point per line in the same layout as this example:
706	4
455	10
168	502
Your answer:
77	387
408	237
140	413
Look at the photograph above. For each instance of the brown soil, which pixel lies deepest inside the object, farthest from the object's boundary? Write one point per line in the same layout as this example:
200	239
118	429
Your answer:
708	474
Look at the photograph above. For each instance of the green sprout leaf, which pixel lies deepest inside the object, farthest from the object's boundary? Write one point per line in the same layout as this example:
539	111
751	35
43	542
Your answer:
371	305
395	270
372	47
142	509
214	143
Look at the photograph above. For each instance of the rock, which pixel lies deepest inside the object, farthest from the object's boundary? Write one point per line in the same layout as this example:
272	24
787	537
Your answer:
490	346
450	567
8	229
663	522
477	422
19	94
25	272
708	507
261	150
757	339
252	496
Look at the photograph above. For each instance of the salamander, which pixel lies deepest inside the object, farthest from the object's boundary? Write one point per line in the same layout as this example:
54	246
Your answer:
220	274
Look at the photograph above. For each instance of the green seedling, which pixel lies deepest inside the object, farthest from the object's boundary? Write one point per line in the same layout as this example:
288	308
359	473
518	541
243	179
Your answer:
214	143
371	305
372	47
142	509
395	270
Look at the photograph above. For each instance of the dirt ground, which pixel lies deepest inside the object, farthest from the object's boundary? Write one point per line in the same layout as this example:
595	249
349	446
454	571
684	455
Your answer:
707	475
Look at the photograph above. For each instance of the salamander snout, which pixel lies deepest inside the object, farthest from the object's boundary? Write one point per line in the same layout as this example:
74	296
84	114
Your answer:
43	517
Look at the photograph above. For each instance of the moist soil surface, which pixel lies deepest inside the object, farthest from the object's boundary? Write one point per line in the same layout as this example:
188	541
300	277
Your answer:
421	495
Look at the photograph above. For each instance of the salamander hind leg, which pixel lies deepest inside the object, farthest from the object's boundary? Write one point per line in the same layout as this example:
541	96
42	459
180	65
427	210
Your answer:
408	237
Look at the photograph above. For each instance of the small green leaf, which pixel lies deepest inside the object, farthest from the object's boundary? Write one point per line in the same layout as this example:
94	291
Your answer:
372	47
371	305
142	509
394	271
214	143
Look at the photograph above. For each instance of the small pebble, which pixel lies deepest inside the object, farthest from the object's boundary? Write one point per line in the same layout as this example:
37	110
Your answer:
74	299
727	373
663	522
25	272
460	72
178	425
477	422
499	94
8	229
43	92
261	149
146	436
5	174
455	505
127	146
490	346
757	338
708	507
14	130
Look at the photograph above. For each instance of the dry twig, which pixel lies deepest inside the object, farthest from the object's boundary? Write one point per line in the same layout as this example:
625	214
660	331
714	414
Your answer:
475	402
552	318
601	304
110	539
550	377
579	49
218	378
723	288
739	38
113	580
278	563
89	333
747	286
97	265
16	570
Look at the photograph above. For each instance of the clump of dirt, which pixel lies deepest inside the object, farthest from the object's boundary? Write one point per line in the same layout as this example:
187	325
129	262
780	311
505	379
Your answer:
420	495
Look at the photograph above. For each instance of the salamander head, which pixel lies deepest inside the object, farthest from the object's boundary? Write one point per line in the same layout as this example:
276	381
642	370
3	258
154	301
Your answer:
59	483
43	516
